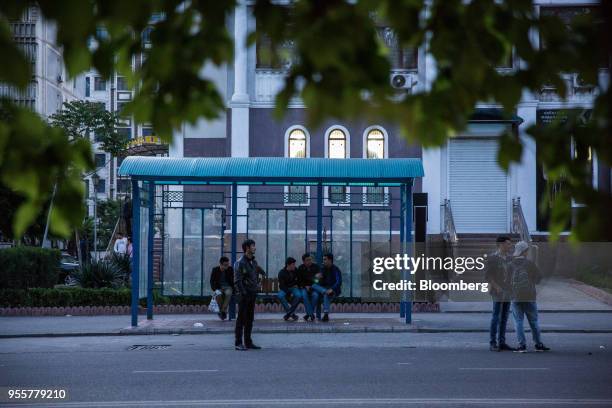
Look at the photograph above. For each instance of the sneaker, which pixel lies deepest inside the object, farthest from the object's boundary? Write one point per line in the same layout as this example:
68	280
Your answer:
286	317
252	346
295	317
493	347
505	347
521	349
325	318
306	317
220	315
541	347
240	347
223	315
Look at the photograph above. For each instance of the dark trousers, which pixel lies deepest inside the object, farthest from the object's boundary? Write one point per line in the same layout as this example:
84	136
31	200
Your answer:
244	321
499	319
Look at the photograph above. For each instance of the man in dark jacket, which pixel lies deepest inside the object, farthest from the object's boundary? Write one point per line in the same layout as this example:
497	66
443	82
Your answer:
525	276
305	277
222	284
246	284
328	283
287	285
497	274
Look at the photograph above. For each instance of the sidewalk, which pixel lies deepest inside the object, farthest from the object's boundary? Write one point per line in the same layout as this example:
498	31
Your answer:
56	326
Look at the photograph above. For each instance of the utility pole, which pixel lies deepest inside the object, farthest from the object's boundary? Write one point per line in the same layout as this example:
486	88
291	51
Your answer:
96	179
44	240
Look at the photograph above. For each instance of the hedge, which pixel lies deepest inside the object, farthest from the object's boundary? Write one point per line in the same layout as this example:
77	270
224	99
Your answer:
76	296
43	297
25	267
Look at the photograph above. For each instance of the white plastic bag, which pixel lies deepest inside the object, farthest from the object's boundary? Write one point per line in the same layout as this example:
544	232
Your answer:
213	306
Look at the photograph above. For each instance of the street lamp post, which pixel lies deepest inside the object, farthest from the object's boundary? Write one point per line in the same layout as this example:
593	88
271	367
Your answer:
96	179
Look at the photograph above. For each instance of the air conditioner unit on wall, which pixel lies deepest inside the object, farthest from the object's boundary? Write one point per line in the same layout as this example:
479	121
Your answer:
579	82
403	81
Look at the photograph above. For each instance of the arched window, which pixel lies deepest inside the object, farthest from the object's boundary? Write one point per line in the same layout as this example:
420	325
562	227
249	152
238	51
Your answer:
336	144
337	148
297	143
296	147
375	144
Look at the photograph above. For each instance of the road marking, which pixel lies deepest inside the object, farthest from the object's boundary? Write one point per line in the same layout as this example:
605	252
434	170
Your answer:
338	401
503	368
404	363
172	371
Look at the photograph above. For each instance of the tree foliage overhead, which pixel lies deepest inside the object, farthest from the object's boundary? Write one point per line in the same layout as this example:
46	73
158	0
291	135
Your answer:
341	68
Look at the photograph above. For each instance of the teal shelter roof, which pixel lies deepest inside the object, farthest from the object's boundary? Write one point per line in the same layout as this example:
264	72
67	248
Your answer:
271	170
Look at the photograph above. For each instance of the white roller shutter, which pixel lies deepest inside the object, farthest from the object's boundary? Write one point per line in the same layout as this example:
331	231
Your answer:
478	187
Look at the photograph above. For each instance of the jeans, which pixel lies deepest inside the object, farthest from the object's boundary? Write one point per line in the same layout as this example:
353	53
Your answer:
244	321
297	297
310	300
499	319
326	298
519	310
224	298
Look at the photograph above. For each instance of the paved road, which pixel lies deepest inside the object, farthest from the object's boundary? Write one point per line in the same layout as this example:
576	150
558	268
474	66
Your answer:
378	369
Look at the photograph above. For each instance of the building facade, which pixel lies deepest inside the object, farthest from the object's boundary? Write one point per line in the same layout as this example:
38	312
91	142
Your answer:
463	175
50	86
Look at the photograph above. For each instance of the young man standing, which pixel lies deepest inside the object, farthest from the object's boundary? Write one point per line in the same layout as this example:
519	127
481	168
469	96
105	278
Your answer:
328	284
498	275
305	277
246	283
287	284
222	283
525	275
120	246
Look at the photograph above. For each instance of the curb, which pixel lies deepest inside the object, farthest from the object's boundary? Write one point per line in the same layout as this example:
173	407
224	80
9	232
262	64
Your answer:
382	307
592	291
353	330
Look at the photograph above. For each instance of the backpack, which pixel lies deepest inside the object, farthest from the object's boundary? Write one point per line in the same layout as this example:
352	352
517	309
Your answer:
521	283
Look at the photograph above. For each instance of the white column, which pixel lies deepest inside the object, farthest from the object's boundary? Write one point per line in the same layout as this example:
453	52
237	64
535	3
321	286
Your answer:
525	173
240	95
240	102
432	182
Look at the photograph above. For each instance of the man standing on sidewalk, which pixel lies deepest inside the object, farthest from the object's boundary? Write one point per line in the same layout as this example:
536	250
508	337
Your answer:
246	283
498	276
525	275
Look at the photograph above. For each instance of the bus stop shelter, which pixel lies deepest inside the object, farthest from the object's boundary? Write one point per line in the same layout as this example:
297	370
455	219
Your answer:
155	180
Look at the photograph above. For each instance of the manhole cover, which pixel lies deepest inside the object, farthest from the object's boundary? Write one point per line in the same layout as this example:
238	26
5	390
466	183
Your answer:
148	347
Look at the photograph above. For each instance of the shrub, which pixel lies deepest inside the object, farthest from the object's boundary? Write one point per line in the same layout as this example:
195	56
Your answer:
100	274
123	263
25	267
43	297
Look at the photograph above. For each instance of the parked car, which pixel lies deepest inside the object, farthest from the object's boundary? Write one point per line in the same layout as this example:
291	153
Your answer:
68	265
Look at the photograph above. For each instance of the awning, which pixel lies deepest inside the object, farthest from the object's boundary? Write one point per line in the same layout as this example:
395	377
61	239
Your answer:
271	170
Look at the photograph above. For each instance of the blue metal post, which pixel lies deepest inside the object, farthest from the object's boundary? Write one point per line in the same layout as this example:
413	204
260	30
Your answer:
402	239
151	231
232	305
320	223
409	246
135	249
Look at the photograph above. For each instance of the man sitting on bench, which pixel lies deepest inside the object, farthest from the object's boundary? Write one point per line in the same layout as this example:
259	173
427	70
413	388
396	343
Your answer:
287	285
328	283
305	276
